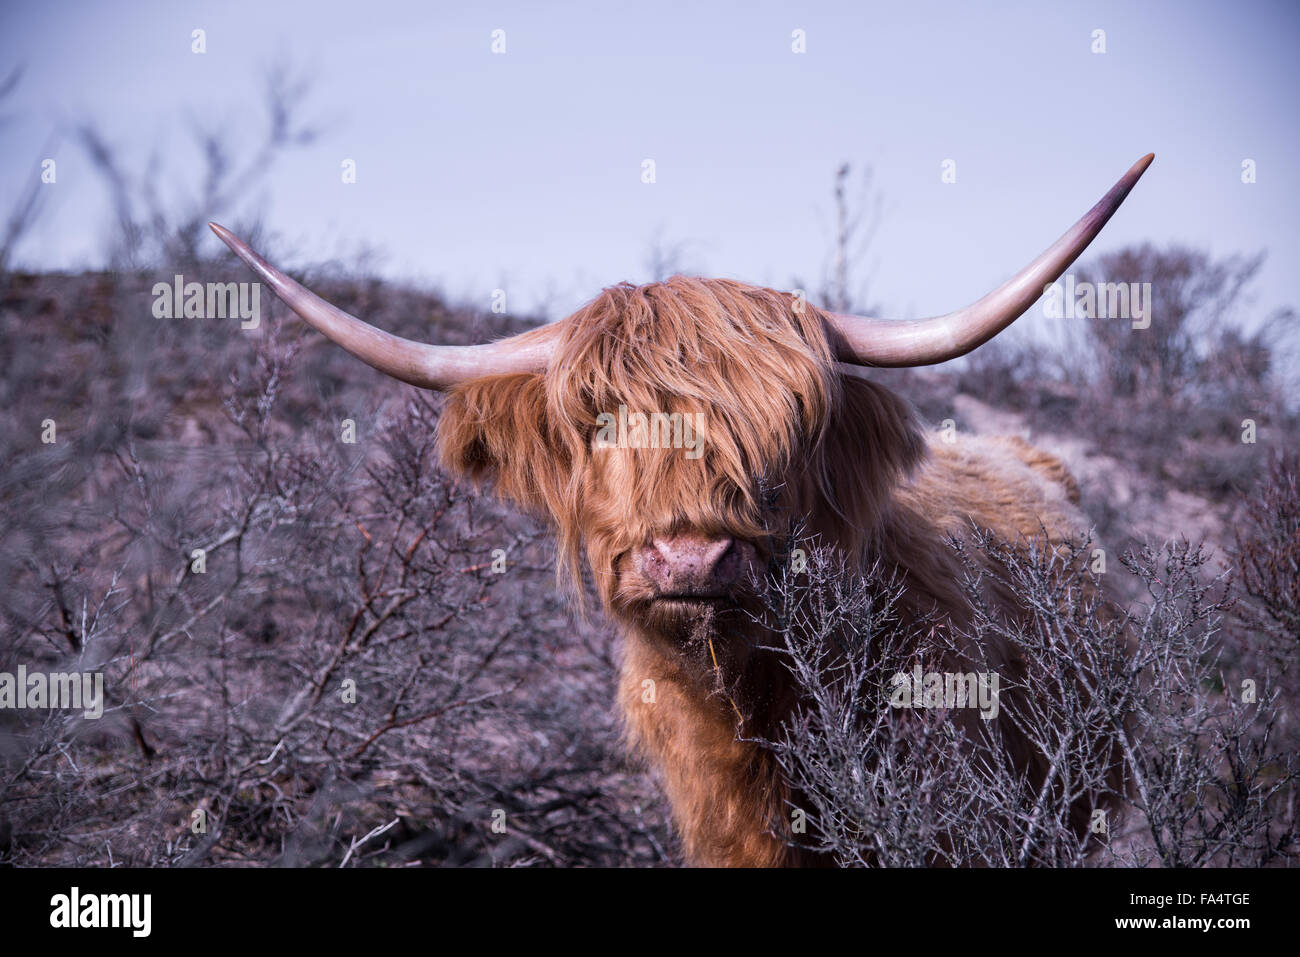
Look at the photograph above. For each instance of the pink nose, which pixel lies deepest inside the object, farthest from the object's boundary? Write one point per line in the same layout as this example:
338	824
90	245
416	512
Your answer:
694	565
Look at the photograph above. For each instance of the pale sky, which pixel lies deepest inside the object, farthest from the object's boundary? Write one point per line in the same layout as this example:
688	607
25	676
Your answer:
523	170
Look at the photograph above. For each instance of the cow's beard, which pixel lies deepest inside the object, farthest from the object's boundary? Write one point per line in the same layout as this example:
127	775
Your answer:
680	620
717	640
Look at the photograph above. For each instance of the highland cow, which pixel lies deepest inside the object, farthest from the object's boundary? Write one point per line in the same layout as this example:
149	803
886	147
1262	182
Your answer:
789	429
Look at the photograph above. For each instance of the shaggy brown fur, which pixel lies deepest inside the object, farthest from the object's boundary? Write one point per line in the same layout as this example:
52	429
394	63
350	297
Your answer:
788	433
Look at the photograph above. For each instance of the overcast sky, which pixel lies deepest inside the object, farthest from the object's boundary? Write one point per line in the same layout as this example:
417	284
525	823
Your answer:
476	170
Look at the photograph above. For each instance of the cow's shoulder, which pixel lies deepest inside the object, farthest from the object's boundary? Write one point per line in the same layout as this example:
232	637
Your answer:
1045	462
1000	482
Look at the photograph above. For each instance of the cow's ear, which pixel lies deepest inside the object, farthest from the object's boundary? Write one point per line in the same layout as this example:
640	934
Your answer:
875	442
882	424
495	427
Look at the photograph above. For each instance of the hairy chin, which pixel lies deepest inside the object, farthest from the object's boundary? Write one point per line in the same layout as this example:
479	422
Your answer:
682	619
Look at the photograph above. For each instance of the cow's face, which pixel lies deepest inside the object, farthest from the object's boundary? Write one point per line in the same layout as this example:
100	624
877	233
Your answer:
681	431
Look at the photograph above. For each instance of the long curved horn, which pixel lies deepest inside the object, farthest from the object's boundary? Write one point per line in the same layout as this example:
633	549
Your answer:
417	363
921	342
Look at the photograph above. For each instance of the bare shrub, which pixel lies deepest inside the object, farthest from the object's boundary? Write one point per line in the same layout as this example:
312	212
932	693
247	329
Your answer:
345	677
1172	397
1266	559
1204	781
1268	552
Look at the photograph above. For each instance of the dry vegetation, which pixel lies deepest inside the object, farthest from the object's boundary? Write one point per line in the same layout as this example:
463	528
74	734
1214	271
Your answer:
478	692
353	679
325	562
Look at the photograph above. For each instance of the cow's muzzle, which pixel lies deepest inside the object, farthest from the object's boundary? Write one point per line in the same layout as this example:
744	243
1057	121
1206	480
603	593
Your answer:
696	567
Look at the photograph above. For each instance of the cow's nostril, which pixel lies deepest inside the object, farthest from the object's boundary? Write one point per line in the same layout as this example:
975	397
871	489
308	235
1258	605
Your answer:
728	567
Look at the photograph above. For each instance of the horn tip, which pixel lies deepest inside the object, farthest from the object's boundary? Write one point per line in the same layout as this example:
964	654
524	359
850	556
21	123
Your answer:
230	239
